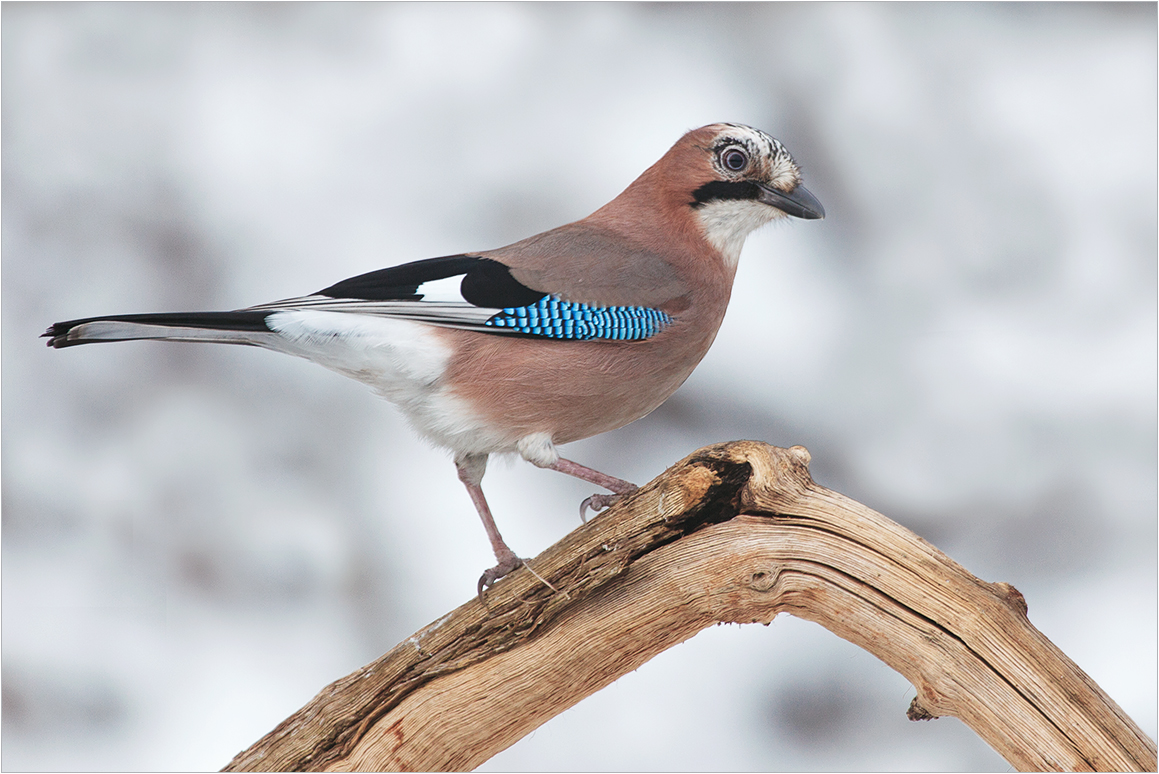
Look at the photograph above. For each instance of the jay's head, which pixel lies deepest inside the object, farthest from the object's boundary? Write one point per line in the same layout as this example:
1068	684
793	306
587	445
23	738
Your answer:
726	180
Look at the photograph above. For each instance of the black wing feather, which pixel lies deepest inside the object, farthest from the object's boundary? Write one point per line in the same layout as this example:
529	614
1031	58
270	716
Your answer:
489	283
486	283
400	283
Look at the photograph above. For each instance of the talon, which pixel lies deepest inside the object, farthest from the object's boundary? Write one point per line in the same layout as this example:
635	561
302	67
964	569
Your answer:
504	567
599	502
587	503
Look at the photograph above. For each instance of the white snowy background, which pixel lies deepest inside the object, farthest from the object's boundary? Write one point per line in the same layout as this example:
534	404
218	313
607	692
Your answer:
196	539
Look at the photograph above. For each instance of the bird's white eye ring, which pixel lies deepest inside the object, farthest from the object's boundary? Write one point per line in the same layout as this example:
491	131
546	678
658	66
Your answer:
734	159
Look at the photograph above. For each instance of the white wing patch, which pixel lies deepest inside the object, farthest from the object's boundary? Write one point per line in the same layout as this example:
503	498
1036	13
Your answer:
446	289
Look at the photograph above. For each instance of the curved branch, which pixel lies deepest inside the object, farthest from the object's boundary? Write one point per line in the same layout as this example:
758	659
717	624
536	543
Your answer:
734	533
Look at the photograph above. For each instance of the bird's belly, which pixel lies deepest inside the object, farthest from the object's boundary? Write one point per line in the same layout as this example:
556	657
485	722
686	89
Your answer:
481	393
403	361
570	390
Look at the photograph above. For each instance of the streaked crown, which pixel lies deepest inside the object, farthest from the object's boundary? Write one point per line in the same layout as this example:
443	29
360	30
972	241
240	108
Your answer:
740	152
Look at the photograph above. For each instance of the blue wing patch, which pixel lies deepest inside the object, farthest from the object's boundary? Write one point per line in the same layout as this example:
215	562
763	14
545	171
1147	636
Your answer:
556	319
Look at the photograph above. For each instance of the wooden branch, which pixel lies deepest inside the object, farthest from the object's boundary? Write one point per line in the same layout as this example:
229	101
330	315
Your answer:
734	533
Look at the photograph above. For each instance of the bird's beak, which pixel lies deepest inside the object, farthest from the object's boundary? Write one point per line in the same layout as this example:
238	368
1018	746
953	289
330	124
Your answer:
800	203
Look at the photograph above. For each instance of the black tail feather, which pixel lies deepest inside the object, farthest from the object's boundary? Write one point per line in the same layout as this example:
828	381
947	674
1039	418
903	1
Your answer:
241	321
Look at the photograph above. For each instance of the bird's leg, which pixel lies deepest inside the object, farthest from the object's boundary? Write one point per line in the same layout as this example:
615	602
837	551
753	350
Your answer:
471	468
596	502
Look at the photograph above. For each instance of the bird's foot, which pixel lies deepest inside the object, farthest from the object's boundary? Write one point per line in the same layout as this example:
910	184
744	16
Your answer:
506	565
598	502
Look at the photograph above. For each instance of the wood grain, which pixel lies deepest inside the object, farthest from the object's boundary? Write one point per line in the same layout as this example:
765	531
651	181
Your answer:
734	533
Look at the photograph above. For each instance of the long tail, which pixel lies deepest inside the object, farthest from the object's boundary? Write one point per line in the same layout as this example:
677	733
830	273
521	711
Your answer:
241	327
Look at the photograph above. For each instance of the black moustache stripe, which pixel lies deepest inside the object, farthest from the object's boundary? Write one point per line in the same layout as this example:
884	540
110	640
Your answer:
719	190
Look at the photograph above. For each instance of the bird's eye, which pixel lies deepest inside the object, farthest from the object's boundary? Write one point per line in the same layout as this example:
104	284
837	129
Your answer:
734	159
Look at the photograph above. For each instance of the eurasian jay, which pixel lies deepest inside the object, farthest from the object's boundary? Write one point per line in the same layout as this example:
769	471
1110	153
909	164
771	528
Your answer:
561	336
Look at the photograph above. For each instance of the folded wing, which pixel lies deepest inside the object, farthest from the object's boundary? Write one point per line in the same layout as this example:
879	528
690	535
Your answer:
458	291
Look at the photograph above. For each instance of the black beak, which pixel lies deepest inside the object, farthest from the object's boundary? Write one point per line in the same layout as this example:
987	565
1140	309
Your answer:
800	203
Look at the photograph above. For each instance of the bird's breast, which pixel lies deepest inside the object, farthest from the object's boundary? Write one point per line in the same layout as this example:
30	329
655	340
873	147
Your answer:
575	389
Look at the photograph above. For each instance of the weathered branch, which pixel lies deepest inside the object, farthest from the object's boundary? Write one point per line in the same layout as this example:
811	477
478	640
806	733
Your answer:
734	533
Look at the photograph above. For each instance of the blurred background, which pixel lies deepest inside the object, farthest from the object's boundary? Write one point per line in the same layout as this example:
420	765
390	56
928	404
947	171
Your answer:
196	539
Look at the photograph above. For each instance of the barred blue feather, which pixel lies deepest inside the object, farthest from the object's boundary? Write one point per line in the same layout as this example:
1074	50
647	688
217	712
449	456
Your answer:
554	318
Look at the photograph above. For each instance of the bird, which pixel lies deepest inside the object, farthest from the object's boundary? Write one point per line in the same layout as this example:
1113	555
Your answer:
558	337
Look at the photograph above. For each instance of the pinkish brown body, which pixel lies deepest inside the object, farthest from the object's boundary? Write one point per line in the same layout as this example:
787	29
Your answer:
669	245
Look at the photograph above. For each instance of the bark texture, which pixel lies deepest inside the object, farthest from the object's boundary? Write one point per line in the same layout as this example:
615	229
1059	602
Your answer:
734	533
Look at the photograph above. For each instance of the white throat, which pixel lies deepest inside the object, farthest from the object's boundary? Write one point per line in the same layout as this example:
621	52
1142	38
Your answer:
726	223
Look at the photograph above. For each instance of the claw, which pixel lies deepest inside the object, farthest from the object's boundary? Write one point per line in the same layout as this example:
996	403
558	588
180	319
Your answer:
597	503
504	567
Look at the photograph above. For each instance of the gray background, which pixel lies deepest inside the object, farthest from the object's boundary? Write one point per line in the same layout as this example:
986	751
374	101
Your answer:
197	539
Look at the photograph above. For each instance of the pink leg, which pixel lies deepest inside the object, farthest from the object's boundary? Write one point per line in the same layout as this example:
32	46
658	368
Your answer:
596	502
471	469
